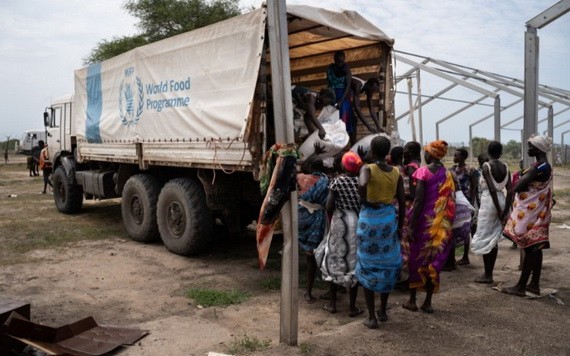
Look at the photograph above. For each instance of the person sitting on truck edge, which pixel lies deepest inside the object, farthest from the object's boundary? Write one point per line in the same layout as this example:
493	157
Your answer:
369	87
306	102
45	165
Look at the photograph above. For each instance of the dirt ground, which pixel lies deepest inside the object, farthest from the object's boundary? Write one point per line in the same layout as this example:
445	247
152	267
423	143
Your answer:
120	282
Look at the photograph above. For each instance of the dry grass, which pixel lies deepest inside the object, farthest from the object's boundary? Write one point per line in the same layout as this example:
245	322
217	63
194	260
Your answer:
30	221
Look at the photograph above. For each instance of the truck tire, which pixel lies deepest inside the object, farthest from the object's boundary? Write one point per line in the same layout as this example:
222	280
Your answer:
138	207
68	197
184	219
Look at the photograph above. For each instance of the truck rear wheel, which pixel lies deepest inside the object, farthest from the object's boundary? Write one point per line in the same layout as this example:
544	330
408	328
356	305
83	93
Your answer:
68	197
138	207
184	219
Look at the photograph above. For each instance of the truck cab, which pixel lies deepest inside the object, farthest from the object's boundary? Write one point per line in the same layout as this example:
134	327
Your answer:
58	124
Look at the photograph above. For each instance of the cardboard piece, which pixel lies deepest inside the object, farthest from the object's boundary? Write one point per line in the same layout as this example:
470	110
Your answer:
83	337
8	345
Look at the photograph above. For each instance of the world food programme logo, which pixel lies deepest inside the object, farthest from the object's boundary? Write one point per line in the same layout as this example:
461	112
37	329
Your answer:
131	98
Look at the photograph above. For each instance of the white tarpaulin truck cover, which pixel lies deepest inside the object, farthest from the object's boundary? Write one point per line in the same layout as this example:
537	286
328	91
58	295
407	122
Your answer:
194	87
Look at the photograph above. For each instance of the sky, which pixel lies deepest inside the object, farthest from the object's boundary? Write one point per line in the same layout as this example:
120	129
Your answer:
43	41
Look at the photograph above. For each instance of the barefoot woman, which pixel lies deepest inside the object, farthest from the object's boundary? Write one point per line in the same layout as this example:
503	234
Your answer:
530	219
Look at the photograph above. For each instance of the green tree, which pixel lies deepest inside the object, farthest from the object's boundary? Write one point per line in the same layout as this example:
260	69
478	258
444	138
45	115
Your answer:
159	19
513	149
479	145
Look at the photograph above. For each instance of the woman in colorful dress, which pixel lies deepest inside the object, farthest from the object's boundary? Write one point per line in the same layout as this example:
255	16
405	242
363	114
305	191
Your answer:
312	188
412	159
379	229
529	221
494	210
339	77
467	179
336	255
431	221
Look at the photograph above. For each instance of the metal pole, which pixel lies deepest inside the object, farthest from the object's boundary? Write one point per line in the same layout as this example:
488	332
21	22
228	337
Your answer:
523	145
550	130
283	113
530	87
471	143
437	130
562	136
420	119
497	117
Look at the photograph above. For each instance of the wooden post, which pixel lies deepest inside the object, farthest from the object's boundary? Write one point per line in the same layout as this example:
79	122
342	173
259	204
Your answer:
283	113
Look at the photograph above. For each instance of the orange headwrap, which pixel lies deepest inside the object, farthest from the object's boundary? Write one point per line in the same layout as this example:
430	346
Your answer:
438	149
351	162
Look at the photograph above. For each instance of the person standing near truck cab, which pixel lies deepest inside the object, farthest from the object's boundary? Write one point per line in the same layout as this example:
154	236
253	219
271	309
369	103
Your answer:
45	165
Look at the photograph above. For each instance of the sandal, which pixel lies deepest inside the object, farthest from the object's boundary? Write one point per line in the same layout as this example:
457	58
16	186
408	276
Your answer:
514	291
463	262
355	312
382	317
309	299
483	279
329	308
410	307
532	289
371	323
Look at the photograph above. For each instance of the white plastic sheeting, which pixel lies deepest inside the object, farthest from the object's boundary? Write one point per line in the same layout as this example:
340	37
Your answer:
193	100
196	85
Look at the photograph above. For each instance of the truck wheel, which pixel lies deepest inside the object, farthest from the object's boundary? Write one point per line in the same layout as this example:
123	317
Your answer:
68	197
138	207
184	219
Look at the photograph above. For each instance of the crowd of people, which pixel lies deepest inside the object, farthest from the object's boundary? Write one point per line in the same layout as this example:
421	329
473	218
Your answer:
382	220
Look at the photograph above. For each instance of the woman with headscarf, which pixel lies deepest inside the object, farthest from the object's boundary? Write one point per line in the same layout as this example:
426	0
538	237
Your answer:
529	221
379	229
336	255
465	191
412	159
431	222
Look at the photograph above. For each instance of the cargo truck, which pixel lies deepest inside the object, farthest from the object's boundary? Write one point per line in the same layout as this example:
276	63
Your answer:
178	128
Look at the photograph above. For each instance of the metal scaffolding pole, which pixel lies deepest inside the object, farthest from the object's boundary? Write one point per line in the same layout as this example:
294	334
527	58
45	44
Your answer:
562	136
420	105
531	67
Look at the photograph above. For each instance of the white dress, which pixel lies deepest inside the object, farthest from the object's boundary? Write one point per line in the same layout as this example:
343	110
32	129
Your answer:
489	225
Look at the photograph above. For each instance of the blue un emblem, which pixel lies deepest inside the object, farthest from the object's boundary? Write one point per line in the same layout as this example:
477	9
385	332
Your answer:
131	98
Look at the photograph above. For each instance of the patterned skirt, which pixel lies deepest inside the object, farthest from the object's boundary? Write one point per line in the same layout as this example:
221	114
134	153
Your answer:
378	258
336	255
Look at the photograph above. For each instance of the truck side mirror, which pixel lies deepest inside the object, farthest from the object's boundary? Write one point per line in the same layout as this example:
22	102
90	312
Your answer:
46	118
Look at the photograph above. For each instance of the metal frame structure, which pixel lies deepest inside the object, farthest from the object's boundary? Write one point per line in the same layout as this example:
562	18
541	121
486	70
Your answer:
531	86
493	90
